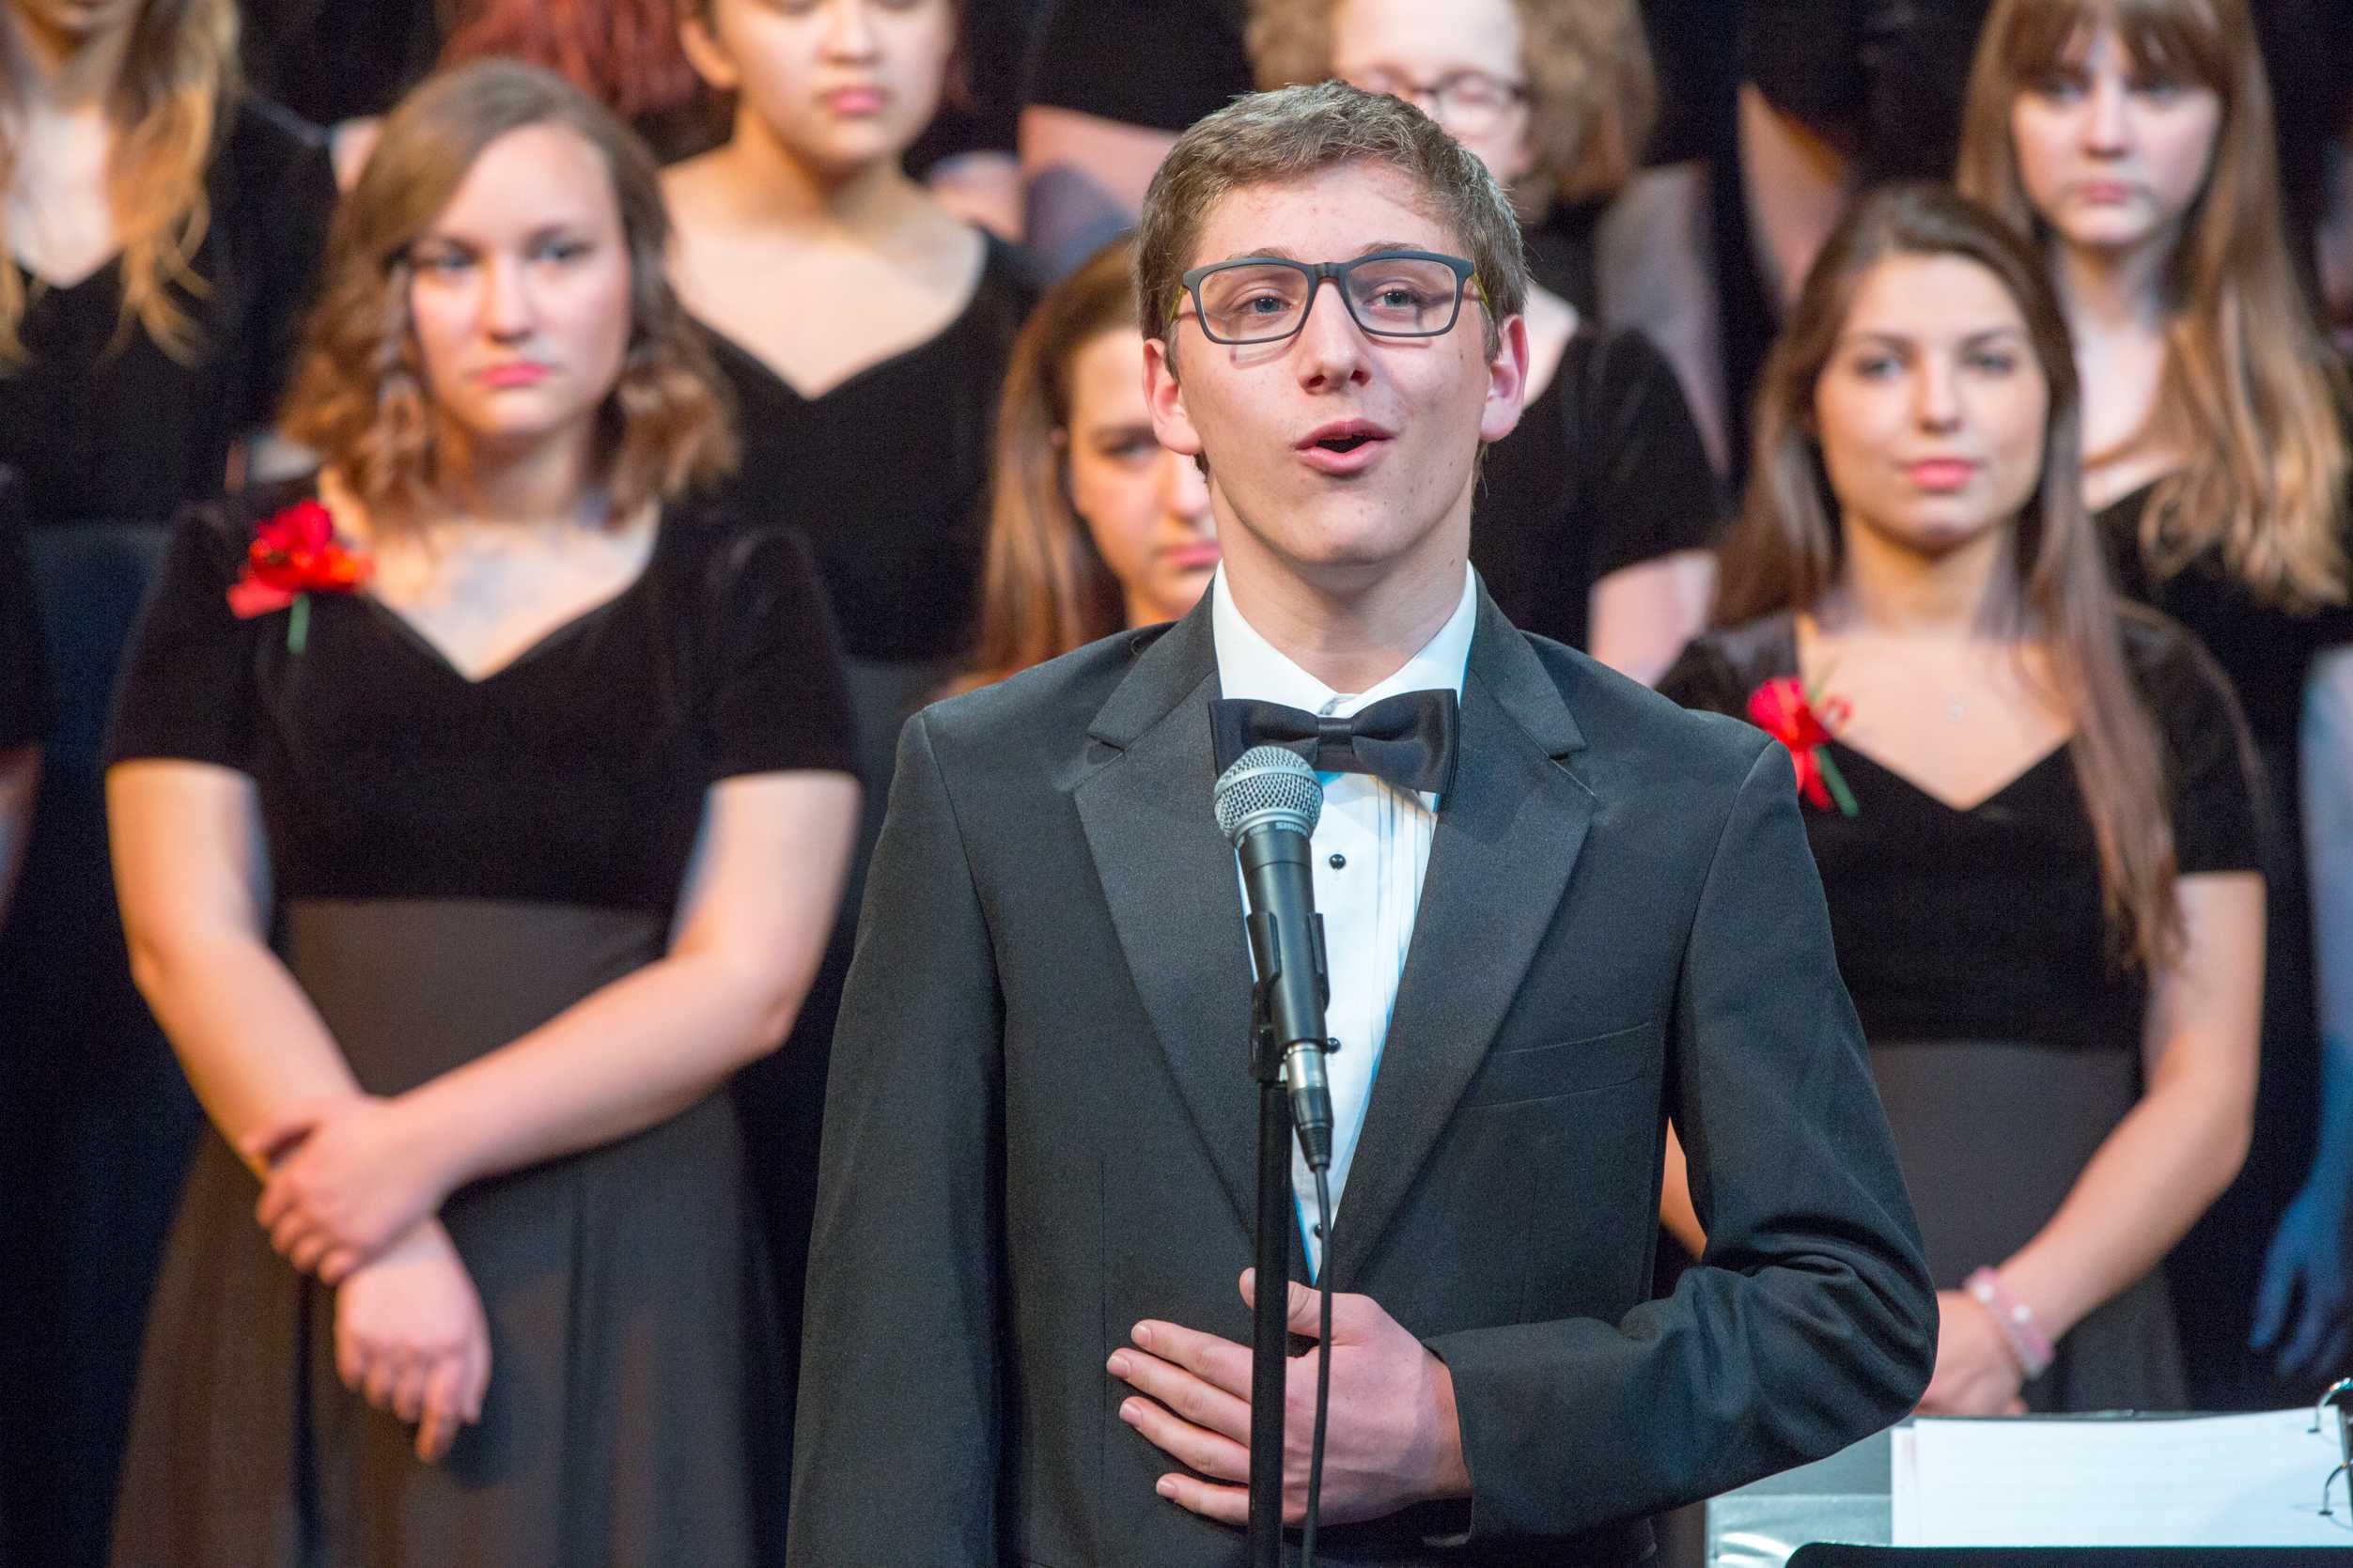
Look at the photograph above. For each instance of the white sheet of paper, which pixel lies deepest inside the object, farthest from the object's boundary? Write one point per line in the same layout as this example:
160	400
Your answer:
2209	1480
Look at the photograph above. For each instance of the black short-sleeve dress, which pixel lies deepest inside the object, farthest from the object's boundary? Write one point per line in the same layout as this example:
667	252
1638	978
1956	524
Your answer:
2268	652
455	862
109	436
1976	948
1604	471
887	476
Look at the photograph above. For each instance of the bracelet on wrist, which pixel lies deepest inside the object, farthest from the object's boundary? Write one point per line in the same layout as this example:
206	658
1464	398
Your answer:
2028	1345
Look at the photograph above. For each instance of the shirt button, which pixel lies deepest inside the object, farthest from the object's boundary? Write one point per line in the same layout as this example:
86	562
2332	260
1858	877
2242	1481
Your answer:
1315	1230
1339	862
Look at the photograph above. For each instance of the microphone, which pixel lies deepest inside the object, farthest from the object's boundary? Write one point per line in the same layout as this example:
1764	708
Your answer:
1267	803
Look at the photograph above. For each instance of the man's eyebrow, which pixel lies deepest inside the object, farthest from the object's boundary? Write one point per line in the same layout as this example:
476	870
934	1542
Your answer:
1278	253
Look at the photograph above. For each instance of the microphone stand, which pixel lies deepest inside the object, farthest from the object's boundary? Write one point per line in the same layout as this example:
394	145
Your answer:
1270	1342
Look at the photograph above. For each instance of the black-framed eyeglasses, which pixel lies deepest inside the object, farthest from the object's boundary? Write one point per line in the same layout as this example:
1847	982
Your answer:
1467	103
1264	299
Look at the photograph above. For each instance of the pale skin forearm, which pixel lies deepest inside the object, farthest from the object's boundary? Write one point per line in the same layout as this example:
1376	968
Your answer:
1083	178
1655	267
643	1049
1677	1212
1796	186
192	882
1639	617
2181	1144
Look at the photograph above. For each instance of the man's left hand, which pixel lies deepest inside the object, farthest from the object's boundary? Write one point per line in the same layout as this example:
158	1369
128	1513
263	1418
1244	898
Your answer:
1391	1438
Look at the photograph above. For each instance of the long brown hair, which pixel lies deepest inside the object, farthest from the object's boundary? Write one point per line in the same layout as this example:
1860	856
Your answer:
2251	394
1786	551
360	399
167	108
1045	589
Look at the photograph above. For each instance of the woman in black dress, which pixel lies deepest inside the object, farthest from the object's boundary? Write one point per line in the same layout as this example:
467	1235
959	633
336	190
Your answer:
161	233
2030	807
864	331
1094	526
536	767
1595	514
2215	463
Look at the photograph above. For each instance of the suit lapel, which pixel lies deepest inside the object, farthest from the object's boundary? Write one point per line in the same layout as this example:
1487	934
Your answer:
1507	837
1168	876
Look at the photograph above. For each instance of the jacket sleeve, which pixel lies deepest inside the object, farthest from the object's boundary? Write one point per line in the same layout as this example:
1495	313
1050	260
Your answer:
897	1444
1811	1323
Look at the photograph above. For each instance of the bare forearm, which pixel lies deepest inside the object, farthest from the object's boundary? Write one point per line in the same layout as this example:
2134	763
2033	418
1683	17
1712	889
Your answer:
2143	1189
1657	271
247	1037
626	1058
1796	186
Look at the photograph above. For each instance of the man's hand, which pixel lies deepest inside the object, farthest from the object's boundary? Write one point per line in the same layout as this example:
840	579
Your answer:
347	1176
1392	1439
1976	1373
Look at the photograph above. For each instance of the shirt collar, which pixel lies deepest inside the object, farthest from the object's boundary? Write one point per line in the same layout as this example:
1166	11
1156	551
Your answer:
1250	666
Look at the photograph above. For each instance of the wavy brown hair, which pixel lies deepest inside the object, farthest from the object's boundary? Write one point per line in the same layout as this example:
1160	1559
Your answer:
1785	551
360	399
167	109
1045	589
2251	394
1593	92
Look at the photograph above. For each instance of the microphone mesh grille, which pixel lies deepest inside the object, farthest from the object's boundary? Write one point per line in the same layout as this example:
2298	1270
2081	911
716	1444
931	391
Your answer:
1264	780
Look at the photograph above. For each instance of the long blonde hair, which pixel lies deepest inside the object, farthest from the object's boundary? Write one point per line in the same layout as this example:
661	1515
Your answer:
168	106
2251	393
1785	551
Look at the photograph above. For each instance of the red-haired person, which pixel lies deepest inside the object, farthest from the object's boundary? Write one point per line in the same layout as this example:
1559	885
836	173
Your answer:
159	233
463	869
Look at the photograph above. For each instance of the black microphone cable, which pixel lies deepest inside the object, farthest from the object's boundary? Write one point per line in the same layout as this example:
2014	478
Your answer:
1323	1375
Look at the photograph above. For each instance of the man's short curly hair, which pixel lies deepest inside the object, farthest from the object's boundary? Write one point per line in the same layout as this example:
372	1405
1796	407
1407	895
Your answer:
1273	138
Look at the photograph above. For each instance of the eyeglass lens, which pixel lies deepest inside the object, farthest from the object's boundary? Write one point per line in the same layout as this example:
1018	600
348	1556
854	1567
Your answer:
1394	297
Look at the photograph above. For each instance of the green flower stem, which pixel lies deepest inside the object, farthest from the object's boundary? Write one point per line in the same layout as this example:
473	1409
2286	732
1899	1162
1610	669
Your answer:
298	626
1839	792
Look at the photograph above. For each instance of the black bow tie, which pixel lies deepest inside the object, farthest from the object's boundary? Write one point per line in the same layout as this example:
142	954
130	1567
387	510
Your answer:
1407	739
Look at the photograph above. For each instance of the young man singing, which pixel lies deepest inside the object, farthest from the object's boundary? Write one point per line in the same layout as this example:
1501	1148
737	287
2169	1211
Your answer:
1025	1343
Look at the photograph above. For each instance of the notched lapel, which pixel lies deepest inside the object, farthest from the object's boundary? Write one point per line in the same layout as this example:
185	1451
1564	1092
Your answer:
1168	876
1507	839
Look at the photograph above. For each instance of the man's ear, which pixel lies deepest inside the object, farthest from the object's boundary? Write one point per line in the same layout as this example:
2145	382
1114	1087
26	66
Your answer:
1165	397
1507	381
703	52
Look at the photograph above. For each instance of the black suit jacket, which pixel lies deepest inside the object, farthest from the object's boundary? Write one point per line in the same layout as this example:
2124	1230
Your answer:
1041	1127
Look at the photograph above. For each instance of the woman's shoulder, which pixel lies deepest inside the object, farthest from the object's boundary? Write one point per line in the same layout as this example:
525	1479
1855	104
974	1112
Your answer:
226	524
1719	668
268	150
2180	680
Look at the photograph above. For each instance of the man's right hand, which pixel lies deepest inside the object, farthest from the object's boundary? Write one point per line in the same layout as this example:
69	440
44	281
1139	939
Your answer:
409	1337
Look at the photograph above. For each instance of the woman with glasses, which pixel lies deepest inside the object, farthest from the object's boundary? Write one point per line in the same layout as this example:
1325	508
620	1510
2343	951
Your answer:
1593	522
